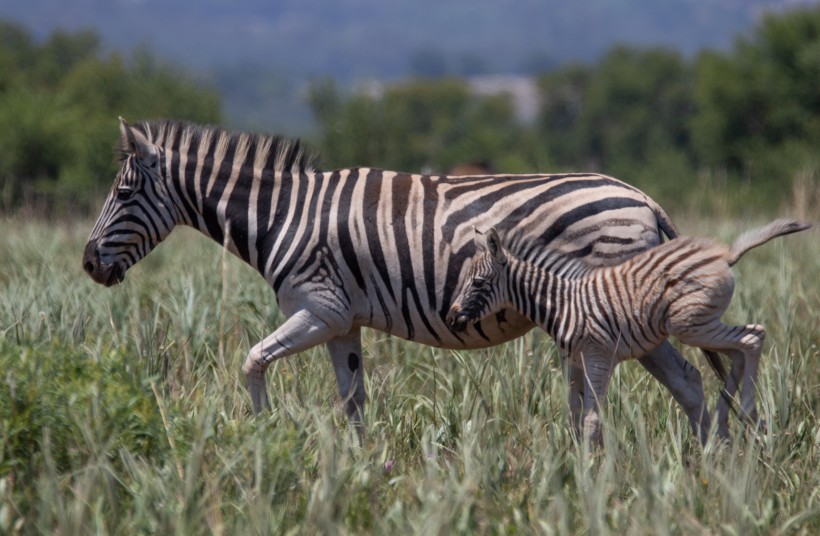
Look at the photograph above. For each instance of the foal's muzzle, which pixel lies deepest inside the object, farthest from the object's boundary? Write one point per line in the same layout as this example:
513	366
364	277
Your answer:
457	318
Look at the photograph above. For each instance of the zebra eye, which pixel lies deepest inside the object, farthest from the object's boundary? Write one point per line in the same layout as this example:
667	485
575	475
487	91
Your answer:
479	282
124	194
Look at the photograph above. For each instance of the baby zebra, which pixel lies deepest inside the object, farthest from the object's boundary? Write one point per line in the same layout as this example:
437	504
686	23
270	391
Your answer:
601	316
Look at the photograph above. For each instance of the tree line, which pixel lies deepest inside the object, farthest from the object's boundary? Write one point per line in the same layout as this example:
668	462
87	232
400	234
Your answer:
59	102
744	122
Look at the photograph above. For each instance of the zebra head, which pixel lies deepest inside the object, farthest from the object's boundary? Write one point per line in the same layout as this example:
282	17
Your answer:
484	288
137	213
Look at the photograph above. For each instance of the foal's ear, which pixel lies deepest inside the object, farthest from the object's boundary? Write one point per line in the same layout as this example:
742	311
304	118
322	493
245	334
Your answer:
479	239
494	246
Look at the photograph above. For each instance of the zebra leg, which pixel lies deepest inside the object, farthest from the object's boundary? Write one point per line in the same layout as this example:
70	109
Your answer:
743	345
348	364
597	369
575	376
301	331
684	381
728	393
752	341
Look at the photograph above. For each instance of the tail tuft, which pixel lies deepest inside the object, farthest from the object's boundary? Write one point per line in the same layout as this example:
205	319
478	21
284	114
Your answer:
756	237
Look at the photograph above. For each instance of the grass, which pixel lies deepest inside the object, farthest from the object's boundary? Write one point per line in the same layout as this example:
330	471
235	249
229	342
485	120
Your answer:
124	411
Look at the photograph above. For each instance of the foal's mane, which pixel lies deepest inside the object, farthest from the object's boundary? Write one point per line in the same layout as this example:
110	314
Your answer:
552	260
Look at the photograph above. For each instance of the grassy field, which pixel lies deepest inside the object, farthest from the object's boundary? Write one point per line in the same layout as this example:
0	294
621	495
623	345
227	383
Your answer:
123	411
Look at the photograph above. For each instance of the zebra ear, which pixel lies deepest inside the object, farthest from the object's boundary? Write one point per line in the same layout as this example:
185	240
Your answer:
494	246
134	141
478	239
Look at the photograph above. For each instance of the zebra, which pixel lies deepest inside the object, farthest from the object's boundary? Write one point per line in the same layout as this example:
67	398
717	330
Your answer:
360	247
599	316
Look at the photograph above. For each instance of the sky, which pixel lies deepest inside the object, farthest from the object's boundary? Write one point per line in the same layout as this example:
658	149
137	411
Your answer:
351	39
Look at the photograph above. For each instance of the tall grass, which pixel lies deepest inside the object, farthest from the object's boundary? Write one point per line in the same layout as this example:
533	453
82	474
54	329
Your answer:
124	411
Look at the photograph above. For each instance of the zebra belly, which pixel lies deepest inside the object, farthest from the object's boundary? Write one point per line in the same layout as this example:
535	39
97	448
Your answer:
489	332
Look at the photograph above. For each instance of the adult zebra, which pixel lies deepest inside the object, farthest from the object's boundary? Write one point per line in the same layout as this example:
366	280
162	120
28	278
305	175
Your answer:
360	247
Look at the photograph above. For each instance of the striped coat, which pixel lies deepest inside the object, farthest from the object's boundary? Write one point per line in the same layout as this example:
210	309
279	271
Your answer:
360	247
601	316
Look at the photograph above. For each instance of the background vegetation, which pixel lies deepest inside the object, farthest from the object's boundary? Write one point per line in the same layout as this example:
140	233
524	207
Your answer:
59	101
745	121
124	411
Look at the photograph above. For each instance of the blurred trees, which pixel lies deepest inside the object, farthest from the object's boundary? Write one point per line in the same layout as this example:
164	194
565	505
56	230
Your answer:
413	126
759	107
59	102
746	121
626	116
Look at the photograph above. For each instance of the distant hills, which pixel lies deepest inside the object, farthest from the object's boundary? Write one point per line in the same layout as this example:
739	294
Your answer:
272	48
351	39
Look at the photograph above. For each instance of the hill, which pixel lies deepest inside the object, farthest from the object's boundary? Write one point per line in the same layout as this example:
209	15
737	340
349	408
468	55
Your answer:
355	39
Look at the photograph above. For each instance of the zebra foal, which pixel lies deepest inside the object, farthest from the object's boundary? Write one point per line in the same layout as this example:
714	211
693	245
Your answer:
601	316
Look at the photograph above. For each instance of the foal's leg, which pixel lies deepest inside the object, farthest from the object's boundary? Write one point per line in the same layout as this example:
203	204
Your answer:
597	369
753	341
743	344
574	375
727	394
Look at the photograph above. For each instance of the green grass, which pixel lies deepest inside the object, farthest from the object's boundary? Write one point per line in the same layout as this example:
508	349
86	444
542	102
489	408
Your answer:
124	411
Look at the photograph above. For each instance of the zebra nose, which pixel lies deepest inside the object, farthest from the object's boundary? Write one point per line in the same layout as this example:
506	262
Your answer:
91	257
451	314
456	318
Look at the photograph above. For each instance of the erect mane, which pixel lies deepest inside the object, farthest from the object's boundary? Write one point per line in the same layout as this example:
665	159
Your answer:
552	260
280	154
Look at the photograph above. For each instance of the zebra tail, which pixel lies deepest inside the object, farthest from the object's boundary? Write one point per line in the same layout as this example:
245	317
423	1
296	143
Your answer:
668	229
665	224
757	237
714	360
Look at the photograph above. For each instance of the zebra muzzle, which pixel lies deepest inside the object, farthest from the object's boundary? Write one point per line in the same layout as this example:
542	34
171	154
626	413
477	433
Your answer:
100	272
458	319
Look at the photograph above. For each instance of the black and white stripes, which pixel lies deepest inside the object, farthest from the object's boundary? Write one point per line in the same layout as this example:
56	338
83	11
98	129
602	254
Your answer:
359	247
599	316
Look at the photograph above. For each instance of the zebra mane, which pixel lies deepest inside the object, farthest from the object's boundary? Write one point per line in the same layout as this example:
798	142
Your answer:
274	152
543	257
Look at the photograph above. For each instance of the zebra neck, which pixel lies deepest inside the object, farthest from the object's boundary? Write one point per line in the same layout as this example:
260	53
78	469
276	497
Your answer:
538	294
529	288
241	208
225	183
